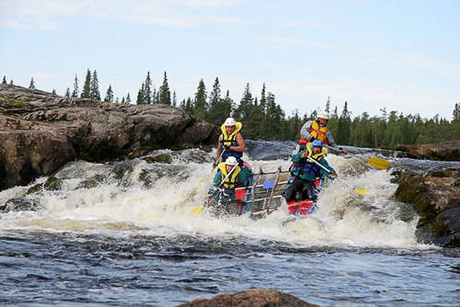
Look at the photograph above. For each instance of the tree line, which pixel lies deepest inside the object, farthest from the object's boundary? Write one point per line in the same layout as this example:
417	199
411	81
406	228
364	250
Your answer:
263	118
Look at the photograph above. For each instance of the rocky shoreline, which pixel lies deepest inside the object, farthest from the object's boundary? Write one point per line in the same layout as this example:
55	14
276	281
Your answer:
40	132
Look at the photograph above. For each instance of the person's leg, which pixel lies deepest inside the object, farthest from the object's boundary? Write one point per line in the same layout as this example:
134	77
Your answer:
290	193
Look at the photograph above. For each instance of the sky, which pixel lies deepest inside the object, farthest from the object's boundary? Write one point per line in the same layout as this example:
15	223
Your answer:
399	56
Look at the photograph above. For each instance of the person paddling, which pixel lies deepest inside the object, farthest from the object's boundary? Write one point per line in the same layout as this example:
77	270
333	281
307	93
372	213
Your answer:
231	144
228	176
317	130
305	172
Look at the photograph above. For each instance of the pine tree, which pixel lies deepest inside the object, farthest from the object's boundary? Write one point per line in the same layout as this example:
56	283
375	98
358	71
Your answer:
75	87
4	80
32	84
94	88
164	94
128	99
109	94
54	92
67	93
11	81
87	86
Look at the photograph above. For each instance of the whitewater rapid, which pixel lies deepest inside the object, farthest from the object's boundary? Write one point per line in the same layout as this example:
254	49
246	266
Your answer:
141	197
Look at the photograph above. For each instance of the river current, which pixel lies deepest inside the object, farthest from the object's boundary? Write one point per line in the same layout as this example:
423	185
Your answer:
120	234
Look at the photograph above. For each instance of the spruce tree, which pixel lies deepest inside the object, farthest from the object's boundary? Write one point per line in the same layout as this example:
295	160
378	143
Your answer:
140	95
11	81
75	87
164	94
109	94
456	113
128	99
246	108
200	108
54	92
343	133
147	90
87	86
4	80
94	88
215	115
67	93
328	105
174	100
32	84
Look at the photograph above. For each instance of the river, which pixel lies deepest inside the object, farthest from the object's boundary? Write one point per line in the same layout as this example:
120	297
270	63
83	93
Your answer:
121	234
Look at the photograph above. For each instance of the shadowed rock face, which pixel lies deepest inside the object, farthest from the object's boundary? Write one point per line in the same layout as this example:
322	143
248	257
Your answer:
251	297
40	132
443	151
436	198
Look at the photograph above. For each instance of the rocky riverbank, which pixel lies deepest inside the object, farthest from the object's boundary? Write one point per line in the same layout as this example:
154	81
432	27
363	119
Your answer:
40	132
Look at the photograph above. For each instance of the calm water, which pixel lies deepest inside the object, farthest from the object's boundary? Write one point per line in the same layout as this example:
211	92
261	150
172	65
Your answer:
129	240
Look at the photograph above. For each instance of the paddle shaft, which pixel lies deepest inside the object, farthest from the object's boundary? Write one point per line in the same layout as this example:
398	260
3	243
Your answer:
340	179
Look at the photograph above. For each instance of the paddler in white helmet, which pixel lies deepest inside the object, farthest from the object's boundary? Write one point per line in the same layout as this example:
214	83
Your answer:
230	142
317	130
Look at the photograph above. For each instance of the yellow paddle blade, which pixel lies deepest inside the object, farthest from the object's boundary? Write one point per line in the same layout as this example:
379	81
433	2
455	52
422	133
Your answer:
362	192
196	210
378	163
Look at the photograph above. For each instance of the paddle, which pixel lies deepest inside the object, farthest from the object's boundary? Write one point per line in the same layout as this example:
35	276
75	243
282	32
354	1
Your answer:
375	162
200	208
220	156
378	163
360	191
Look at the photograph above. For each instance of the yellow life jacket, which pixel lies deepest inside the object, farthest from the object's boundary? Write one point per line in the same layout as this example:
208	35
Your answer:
319	156
319	133
230	140
306	168
231	181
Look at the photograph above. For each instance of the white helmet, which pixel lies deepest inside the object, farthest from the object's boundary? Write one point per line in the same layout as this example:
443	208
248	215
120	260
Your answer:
324	115
231	161
230	122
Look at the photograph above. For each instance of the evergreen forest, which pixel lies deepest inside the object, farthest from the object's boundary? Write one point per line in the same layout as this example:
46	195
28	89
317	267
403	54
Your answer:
263	118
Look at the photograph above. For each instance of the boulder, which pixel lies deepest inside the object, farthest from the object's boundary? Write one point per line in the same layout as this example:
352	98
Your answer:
436	198
443	151
40	132
250	297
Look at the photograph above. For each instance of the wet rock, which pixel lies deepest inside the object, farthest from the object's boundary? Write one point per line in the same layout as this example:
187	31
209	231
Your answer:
20	204
436	198
442	151
251	297
40	132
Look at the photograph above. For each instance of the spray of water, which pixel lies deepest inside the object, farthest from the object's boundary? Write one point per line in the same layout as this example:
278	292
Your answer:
154	198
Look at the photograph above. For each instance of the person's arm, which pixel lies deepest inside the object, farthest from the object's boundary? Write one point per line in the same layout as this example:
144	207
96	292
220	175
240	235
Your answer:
331	142
217	178
331	173
297	157
305	131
